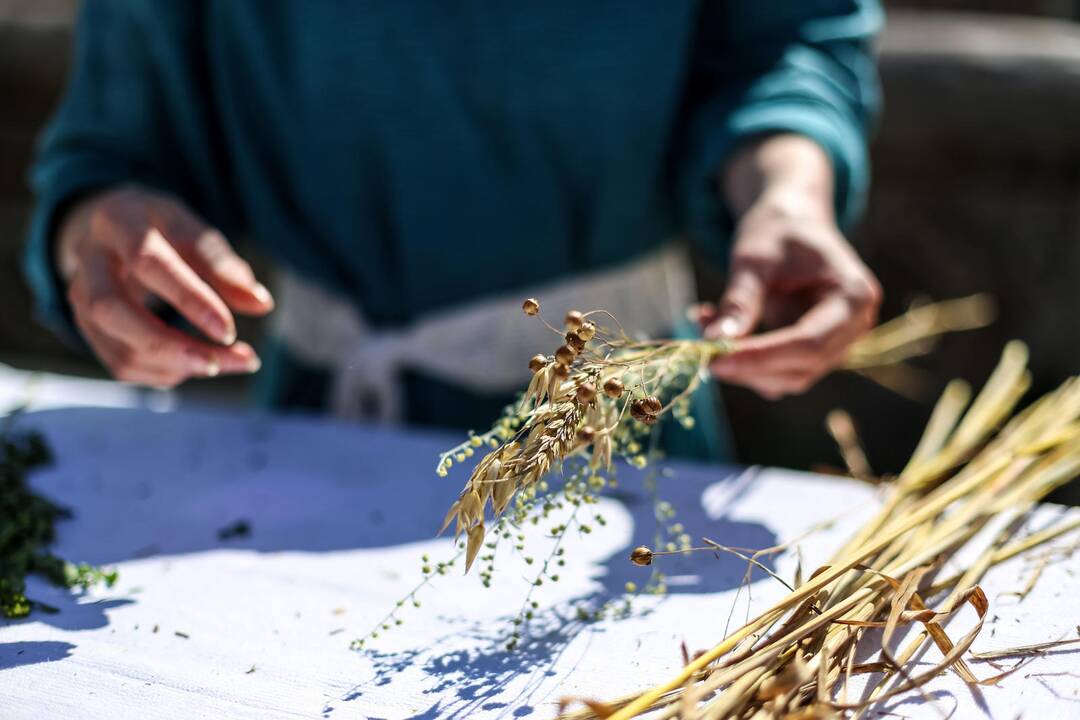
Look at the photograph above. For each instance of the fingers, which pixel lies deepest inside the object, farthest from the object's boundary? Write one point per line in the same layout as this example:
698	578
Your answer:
791	267
792	359
741	307
136	346
174	254
116	357
120	360
214	259
157	345
131	242
156	264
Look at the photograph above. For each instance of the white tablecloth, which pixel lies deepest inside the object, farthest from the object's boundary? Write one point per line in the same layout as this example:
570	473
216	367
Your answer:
259	627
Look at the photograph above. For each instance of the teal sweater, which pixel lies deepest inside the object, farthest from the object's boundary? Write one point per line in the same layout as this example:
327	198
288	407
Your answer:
412	154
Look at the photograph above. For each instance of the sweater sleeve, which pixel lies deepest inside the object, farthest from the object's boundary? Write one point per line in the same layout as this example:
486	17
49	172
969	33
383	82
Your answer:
798	66
132	113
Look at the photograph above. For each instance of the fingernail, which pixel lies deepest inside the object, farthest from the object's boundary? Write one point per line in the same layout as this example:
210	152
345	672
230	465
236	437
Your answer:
261	293
253	364
199	365
730	327
218	329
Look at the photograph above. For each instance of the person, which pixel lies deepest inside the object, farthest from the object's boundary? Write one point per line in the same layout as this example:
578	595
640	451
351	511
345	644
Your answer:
418	168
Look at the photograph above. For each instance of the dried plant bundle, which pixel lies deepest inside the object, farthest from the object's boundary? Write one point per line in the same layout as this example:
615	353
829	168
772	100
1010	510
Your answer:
601	390
970	484
597	393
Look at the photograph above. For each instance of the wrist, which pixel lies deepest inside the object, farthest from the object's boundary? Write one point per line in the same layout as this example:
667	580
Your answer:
789	172
796	200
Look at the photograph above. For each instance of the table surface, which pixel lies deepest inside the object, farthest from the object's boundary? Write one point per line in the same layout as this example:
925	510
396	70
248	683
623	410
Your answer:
259	627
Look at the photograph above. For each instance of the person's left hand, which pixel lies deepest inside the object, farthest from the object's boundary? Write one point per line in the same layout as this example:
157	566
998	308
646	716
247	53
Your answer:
793	271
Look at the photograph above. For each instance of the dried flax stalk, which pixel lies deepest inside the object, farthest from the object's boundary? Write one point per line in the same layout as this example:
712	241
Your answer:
969	470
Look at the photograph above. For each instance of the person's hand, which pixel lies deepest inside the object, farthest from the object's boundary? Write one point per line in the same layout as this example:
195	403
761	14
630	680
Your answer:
122	248
792	273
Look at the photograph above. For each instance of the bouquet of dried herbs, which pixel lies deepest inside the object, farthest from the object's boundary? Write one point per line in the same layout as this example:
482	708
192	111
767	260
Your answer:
28	526
599	395
601	391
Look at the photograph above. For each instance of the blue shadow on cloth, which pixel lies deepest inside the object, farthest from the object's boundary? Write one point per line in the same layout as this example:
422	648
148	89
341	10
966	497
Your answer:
16	654
472	680
74	611
145	484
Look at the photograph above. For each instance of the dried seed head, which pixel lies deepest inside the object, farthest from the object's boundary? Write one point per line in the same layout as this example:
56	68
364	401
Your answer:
575	341
574	319
587	331
475	539
531	306
565	354
586	434
586	393
613	388
649	419
561	371
537	363
641	555
652	405
636	410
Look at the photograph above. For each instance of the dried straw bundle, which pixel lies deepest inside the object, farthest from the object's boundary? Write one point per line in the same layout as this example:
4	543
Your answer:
789	661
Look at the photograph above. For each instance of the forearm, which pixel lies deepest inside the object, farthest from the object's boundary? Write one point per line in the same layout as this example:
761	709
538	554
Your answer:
788	169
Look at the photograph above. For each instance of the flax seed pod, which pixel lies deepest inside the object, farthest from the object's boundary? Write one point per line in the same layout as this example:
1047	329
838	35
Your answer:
586	393
574	341
565	355
641	555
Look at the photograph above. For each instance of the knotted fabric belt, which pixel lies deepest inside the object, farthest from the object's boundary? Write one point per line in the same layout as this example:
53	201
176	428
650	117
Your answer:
483	345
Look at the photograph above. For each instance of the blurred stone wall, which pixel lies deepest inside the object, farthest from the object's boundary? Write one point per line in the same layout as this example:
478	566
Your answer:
1068	9
976	188
35	37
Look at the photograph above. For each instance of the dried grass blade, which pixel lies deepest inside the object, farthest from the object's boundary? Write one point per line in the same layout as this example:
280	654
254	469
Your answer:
1021	650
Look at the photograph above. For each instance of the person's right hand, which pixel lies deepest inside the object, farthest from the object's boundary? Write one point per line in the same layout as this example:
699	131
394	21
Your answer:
122	247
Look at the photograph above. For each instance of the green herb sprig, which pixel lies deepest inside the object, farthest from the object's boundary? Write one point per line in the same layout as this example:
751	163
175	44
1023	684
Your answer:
27	528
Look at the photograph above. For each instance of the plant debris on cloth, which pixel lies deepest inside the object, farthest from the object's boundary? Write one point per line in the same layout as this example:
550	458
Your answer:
28	527
234	530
